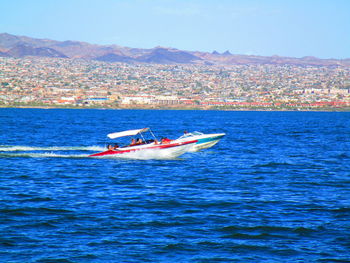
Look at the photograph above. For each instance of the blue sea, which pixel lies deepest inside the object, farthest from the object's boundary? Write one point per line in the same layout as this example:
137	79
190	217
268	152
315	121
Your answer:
276	188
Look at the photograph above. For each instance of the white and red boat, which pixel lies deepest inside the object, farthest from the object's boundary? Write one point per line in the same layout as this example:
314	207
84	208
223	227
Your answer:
146	149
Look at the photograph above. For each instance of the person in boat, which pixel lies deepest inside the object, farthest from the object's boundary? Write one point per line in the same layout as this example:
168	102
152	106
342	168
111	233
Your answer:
165	140
110	147
139	141
133	142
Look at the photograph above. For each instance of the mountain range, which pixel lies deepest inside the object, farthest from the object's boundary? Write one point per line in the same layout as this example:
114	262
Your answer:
23	46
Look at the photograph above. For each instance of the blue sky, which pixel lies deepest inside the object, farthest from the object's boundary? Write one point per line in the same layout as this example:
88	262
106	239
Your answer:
293	28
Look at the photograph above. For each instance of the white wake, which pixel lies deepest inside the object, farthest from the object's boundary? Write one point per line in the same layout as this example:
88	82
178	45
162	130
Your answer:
48	151
19	148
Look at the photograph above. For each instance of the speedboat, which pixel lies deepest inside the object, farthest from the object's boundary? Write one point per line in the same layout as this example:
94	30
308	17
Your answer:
146	149
204	141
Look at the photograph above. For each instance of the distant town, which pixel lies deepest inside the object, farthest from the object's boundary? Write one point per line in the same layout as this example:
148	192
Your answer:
61	82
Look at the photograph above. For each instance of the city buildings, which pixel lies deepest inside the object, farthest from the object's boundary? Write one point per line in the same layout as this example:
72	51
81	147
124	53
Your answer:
84	83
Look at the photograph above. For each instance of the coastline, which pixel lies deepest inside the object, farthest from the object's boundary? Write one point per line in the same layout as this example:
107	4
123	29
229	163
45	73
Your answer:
101	107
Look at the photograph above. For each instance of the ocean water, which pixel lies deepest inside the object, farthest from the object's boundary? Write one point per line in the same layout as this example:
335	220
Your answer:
275	189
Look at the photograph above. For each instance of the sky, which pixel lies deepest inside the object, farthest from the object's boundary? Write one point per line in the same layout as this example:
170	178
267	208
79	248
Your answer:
293	28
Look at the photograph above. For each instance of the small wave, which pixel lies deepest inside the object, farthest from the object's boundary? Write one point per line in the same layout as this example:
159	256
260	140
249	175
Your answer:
23	211
262	236
266	229
52	259
273	164
37	225
7	242
342	155
336	260
177	247
14	241
37	199
342	210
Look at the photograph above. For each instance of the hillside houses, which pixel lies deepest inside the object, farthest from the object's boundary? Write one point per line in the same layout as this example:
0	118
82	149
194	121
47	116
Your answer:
59	81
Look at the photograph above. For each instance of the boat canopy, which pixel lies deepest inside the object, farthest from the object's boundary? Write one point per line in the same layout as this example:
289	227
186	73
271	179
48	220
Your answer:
126	133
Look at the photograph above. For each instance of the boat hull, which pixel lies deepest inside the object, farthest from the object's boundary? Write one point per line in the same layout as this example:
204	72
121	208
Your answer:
149	151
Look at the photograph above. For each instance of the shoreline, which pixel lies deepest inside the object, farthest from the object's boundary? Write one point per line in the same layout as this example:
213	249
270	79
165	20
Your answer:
345	109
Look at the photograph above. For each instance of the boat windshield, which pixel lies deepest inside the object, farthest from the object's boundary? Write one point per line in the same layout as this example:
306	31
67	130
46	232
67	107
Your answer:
190	134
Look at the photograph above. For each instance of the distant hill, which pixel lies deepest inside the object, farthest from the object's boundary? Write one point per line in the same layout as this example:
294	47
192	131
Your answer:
111	57
8	41
166	56
23	50
22	46
4	54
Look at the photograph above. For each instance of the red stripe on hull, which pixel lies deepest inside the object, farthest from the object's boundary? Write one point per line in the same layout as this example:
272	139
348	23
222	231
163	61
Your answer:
159	146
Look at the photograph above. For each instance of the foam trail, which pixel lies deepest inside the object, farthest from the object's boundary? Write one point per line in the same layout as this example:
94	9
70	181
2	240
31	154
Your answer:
43	155
7	151
20	148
